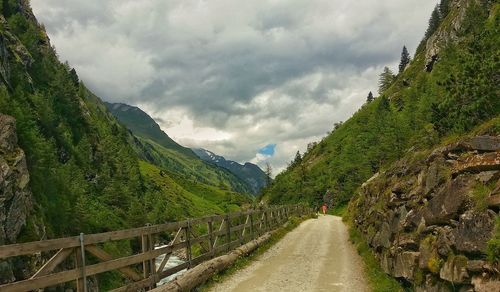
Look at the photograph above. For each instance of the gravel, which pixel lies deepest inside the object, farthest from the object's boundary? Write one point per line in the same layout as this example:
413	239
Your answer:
316	256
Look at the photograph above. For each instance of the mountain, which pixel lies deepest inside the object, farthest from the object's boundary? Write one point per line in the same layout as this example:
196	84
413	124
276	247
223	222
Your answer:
156	147
419	165
144	126
69	166
249	172
448	89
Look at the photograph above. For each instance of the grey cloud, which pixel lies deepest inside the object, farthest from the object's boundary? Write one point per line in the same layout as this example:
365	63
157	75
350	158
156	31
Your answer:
262	71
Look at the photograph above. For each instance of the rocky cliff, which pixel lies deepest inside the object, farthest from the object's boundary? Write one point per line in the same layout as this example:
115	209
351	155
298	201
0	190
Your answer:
432	218
15	196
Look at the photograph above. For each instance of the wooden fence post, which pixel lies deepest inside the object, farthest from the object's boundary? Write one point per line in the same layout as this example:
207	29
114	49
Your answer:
152	264
145	248
188	242
81	282
252	235
228	233
266	220
211	237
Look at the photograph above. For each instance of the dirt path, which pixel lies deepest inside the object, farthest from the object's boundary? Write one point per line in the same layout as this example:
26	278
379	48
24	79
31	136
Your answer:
316	256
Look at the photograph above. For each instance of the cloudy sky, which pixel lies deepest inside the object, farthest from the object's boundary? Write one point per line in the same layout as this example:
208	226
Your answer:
250	80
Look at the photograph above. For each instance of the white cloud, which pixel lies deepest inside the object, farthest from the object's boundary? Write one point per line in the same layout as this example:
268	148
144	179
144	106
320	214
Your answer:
234	76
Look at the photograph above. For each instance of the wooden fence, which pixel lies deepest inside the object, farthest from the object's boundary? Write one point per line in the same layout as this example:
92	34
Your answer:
200	239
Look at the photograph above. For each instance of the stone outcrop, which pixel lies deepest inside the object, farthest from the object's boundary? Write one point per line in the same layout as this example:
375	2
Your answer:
446	34
429	218
15	196
12	52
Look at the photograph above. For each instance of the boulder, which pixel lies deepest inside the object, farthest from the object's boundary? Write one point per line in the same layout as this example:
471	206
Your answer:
386	262
445	240
482	284
427	251
405	265
382	237
434	174
475	266
432	284
455	270
487	176
407	242
474	230
446	203
476	163
482	143
494	201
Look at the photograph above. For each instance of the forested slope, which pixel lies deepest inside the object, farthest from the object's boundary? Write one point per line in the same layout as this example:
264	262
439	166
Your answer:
85	173
156	147
449	88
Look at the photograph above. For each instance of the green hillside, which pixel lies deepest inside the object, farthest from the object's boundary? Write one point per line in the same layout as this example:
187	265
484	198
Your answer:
156	147
169	197
141	124
450	87
84	168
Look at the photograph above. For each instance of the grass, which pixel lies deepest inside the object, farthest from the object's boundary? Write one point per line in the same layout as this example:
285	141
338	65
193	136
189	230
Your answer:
244	261
377	279
493	248
480	194
339	210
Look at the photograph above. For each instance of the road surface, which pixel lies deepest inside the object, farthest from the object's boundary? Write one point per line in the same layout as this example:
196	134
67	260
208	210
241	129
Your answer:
316	256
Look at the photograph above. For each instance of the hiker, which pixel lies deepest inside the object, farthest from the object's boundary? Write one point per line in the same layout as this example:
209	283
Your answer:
324	208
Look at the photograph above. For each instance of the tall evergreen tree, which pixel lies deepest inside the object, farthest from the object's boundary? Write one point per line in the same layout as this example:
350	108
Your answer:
405	60
269	172
298	158
444	8
434	22
370	97
385	80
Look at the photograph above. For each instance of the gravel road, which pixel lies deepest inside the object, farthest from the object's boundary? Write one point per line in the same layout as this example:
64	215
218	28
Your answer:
316	256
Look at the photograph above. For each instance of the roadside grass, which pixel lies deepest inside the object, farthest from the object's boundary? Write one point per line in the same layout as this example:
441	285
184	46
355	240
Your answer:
244	261
339	210
378	280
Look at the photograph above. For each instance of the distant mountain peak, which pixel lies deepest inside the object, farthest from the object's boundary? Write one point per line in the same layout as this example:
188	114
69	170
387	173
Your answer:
249	172
143	125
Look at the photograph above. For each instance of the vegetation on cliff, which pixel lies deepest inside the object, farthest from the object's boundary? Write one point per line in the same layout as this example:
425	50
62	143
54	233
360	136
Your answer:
86	175
450	87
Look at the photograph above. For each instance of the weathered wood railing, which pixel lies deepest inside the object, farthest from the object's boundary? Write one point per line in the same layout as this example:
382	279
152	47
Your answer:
78	257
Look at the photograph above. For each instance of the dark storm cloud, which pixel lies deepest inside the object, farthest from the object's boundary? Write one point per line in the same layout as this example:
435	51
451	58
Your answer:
235	76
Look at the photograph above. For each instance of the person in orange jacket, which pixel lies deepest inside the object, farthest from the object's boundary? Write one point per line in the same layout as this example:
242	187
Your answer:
323	208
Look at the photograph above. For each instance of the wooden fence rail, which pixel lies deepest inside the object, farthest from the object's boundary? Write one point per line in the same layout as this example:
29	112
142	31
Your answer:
200	239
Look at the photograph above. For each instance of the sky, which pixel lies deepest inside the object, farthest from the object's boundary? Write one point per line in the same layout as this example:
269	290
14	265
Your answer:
249	80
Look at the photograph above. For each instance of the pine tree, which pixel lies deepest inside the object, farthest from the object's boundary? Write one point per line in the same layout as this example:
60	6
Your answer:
434	22
269	172
298	158
385	80
405	60
370	97
444	8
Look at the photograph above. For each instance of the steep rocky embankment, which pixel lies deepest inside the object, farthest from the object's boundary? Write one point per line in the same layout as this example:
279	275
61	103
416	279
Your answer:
430	218
16	199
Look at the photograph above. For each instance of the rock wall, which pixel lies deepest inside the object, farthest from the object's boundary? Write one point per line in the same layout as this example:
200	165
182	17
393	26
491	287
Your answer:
449	31
429	217
15	196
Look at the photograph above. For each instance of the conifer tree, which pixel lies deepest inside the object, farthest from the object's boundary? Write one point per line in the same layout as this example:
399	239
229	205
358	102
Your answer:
370	97
405	60
298	159
444	8
434	22
385	80
269	172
